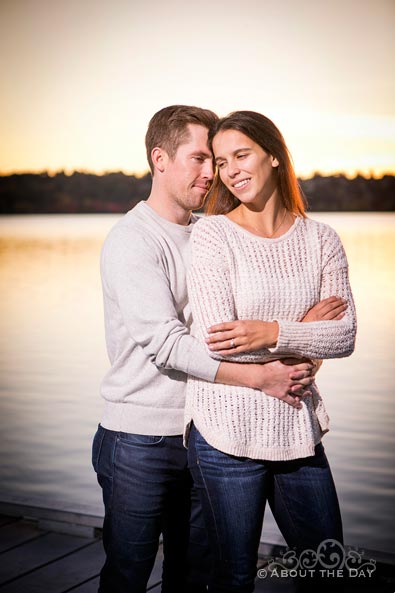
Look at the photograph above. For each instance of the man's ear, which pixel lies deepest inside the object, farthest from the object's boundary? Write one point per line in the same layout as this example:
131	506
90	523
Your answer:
159	158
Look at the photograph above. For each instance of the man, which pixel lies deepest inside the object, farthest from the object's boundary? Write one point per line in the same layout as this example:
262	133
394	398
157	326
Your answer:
138	451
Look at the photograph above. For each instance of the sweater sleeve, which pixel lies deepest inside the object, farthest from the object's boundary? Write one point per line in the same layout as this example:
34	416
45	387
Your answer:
135	280
210	287
324	339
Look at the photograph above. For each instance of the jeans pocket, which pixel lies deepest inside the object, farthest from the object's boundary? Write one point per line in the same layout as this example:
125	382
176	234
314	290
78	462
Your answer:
142	440
96	447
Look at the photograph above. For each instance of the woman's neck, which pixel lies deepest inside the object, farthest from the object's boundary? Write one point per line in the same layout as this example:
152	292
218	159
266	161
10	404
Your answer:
272	221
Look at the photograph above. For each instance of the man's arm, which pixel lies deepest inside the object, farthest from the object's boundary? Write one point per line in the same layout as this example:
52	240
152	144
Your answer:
136	285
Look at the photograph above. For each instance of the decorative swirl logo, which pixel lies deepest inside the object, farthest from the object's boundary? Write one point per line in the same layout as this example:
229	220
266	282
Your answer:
330	557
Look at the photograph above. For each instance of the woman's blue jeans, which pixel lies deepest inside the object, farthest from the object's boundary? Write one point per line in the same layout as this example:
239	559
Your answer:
148	490
234	491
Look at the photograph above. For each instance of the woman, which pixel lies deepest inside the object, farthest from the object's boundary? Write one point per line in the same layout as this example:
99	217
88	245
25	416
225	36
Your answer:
261	259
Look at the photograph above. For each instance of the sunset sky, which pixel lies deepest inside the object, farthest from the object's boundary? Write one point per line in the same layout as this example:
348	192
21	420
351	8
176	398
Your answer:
80	79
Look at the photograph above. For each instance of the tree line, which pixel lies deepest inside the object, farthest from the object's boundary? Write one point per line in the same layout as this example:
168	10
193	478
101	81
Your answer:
30	193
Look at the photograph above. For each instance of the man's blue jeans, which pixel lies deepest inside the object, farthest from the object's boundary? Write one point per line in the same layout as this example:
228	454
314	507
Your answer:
234	491
148	490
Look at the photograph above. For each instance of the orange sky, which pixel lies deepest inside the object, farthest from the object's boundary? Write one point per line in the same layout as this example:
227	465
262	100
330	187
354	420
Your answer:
80	80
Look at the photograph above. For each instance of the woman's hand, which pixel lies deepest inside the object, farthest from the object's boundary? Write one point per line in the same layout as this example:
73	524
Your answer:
232	337
332	308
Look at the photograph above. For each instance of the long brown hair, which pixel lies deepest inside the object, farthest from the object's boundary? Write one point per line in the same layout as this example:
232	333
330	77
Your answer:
263	132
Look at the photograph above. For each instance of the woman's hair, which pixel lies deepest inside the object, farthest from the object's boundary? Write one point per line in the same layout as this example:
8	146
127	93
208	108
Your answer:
263	132
168	128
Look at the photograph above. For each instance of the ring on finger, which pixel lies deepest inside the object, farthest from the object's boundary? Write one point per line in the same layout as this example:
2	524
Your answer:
232	343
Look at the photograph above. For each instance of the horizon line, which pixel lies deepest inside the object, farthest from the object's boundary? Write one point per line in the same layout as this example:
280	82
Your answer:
139	175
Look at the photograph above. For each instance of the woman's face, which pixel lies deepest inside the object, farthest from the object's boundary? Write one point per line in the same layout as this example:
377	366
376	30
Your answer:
244	167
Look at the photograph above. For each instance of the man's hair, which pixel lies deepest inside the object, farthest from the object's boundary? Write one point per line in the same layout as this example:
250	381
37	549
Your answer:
168	128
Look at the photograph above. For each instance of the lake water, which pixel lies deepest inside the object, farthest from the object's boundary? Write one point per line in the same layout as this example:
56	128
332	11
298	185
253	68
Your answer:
52	359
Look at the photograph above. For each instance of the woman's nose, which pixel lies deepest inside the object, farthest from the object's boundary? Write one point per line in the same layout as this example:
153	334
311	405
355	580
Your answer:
233	169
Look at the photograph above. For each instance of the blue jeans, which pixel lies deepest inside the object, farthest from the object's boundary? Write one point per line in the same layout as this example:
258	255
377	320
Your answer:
148	490
234	491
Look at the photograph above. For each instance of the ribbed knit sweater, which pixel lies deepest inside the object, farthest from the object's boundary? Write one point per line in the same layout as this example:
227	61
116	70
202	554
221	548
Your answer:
235	274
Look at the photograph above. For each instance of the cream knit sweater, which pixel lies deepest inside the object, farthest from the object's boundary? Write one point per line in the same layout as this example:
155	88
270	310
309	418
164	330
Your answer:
235	274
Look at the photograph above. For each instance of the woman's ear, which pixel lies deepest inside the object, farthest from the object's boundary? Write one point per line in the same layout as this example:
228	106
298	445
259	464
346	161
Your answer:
159	158
275	162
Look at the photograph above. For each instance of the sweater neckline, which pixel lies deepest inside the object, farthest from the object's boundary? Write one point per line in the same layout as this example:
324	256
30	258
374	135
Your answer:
244	231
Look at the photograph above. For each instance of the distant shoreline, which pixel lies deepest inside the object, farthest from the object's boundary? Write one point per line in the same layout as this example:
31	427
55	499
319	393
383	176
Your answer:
88	193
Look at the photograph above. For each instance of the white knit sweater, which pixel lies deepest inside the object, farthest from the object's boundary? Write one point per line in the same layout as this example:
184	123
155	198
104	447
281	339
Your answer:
235	274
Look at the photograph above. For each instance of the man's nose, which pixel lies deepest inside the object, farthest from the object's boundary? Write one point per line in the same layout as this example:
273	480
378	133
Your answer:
208	171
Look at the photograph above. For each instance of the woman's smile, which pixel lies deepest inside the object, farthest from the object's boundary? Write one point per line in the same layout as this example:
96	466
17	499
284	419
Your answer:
241	184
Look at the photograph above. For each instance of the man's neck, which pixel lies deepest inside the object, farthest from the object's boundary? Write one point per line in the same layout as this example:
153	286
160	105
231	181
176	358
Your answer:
169	210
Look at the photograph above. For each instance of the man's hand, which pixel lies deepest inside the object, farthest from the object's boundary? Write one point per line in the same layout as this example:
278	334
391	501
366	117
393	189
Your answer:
288	380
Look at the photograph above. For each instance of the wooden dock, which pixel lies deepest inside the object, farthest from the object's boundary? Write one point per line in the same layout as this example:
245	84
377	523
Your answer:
41	555
52	551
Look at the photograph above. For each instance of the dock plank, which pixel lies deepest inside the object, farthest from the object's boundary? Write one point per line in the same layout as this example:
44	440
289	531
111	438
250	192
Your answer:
91	586
61	575
275	585
153	586
5	520
36	553
16	533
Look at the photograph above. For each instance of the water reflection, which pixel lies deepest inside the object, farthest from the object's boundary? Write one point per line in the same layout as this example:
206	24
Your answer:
52	359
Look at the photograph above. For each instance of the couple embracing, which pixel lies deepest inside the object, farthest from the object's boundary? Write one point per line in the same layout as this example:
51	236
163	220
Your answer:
215	328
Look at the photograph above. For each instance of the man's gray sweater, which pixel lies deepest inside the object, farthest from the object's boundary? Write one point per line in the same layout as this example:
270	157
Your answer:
147	321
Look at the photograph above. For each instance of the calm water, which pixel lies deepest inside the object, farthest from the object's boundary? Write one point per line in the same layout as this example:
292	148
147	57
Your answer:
52	359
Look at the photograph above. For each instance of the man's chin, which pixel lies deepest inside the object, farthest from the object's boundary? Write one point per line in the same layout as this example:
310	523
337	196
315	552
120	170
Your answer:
199	198
197	204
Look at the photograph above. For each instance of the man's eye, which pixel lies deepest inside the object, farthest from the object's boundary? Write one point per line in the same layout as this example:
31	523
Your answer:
241	156
200	159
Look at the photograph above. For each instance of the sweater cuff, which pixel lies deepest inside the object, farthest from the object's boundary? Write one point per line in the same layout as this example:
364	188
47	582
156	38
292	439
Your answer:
201	365
293	337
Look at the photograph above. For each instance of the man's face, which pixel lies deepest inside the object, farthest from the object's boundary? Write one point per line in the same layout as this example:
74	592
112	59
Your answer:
190	173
